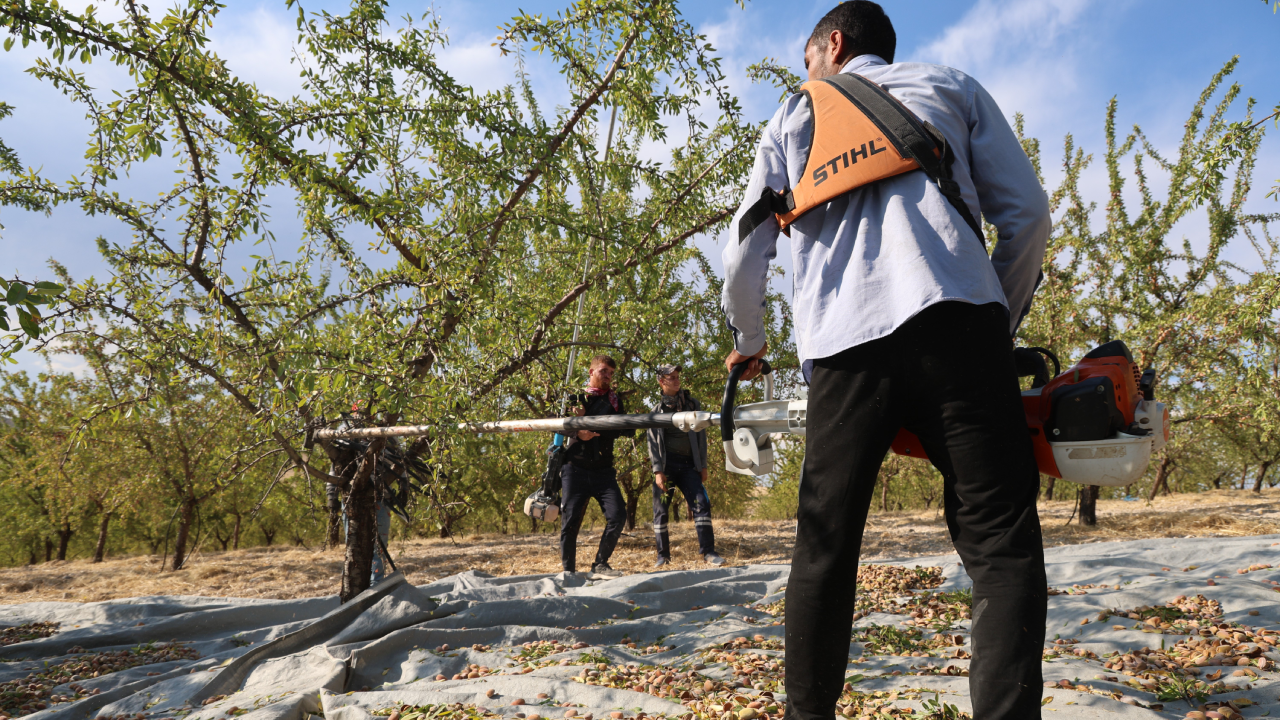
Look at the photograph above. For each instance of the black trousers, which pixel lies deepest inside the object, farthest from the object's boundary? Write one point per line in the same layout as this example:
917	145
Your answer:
578	487
948	376
682	473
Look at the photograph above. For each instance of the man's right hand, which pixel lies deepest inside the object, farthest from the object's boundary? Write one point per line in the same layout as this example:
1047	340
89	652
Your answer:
584	435
661	480
737	358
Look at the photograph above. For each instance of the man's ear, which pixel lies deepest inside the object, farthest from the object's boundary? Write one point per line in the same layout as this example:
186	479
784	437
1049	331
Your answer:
836	47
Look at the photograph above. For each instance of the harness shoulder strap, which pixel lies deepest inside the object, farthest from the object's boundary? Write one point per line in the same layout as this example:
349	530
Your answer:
771	203
912	138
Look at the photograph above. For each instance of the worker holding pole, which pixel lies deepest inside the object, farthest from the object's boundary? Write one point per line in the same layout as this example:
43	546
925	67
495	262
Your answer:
879	172
589	473
680	462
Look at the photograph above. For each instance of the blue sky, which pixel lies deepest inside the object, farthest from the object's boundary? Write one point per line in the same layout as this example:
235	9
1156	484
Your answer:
1056	61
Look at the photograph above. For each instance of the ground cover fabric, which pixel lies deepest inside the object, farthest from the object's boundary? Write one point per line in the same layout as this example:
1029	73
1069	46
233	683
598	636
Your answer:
1131	625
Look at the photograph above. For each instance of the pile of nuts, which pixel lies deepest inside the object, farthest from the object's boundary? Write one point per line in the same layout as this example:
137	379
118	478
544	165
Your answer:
1213	652
35	691
471	672
457	711
29	631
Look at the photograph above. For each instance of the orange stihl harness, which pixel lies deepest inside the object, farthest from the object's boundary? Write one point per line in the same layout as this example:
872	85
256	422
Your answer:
861	135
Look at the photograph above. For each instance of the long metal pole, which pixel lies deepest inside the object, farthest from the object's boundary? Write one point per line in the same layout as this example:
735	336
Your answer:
643	421
586	266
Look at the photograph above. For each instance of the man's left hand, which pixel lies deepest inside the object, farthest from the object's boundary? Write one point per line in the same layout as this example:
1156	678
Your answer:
704	476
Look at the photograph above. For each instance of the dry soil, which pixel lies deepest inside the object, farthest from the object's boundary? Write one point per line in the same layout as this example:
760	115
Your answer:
289	572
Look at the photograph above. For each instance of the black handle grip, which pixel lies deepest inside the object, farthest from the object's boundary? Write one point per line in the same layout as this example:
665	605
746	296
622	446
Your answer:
731	394
1147	384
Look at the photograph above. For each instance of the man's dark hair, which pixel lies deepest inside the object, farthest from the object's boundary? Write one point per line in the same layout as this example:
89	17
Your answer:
866	29
603	360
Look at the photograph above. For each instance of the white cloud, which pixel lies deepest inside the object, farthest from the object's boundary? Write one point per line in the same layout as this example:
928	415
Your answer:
478	63
258	45
994	30
1029	54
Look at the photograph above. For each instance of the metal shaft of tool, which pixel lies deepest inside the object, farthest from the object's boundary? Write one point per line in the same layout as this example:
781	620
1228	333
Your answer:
586	266
595	423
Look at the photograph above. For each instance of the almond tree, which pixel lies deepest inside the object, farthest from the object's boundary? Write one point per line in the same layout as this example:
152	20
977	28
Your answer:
489	206
1192	314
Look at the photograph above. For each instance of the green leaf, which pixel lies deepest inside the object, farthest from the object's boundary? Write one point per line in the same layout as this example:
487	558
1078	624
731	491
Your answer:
49	289
17	293
28	324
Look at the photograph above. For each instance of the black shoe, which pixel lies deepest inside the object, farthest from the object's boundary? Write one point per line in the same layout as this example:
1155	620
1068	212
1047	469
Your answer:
602	571
662	560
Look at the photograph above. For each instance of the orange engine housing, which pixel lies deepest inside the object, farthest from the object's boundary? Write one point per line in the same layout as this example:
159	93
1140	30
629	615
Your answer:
1112	360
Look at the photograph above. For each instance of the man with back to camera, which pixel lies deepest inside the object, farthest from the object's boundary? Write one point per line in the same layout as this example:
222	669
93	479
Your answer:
589	473
902	321
680	461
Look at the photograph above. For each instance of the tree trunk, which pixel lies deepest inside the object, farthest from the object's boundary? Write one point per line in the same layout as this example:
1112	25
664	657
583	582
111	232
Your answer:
268	534
48	550
1262	473
631	496
1244	476
334	529
884	493
101	550
362	526
64	538
186	516
235	534
1162	477
1048	487
1089	505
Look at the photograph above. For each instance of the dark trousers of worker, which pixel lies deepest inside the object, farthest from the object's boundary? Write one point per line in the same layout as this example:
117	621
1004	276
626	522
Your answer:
578	487
682	474
946	375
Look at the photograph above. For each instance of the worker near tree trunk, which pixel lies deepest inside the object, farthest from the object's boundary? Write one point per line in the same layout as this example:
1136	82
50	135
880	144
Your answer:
589	473
901	320
680	462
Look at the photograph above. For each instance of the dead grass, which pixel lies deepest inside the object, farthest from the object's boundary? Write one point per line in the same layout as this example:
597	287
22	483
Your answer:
289	572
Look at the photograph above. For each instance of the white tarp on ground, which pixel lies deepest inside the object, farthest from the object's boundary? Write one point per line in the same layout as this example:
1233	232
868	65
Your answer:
282	660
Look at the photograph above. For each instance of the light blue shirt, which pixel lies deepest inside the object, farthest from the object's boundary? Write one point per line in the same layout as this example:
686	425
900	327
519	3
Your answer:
868	261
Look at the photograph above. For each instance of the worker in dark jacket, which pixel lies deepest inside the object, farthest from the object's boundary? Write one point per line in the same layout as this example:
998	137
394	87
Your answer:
589	473
680	461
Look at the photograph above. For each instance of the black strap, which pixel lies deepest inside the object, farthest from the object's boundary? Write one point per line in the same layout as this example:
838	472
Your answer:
950	188
771	203
910	137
